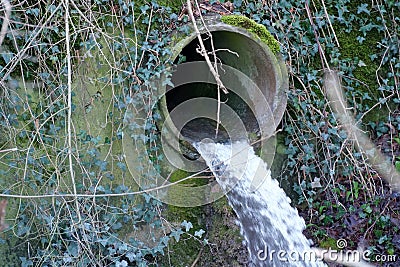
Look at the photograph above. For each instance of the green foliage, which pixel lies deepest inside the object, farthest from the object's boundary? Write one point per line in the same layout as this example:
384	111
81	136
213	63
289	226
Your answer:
120	46
253	27
113	53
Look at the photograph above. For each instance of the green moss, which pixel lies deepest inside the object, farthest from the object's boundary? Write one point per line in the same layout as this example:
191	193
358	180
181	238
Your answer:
218	219
184	252
255	28
329	243
356	55
222	207
351	48
224	234
175	5
178	214
365	69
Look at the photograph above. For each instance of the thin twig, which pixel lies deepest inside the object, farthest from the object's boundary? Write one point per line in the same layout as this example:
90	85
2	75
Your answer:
101	195
330	23
69	103
218	111
9	150
147	35
213	69
6	19
377	218
225	49
19	56
198	257
324	62
203	50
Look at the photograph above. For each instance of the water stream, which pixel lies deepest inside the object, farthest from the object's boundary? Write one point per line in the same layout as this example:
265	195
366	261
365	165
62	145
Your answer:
272	229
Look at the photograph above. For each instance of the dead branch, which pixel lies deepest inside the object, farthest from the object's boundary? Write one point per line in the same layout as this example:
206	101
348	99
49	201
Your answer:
3	206
203	50
6	19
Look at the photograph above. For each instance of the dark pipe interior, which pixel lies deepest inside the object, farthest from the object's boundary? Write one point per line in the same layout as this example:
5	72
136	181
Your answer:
201	128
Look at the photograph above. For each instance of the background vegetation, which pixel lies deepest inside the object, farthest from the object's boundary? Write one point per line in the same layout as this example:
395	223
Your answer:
68	71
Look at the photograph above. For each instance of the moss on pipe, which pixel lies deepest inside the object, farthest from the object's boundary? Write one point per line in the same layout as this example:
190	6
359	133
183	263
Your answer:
255	28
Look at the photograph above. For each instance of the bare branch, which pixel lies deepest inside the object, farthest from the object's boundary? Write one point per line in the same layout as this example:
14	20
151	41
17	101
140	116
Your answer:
203	50
69	103
6	19
3	206
195	175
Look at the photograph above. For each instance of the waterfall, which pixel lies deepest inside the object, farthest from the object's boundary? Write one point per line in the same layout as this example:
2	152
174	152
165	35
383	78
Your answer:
272	229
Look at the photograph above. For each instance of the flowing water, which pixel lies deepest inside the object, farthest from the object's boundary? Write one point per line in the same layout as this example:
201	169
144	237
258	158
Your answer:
272	229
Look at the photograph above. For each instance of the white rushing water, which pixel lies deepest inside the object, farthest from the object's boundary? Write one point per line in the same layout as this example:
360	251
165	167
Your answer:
271	228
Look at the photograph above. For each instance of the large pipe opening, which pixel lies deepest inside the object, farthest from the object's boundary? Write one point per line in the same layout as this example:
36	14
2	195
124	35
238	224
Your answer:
186	113
238	51
201	128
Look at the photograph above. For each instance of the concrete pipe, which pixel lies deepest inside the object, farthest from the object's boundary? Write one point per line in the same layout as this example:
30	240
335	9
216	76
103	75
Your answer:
256	68
256	79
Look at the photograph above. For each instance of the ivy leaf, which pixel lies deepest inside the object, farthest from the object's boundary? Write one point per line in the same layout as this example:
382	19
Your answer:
122	263
177	234
237	3
144	8
73	249
34	11
7	57
147	198
361	63
199	233
117	226
316	183
363	8
122	166
131	256
55	49
187	225
168	81
103	242
360	39
25	262
122	248
164	240
366	28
